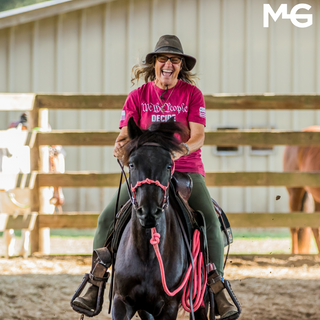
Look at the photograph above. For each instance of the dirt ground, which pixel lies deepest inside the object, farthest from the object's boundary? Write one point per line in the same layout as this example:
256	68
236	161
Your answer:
282	287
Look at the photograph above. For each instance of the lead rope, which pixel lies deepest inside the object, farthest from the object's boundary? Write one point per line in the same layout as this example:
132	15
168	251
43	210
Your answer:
199	269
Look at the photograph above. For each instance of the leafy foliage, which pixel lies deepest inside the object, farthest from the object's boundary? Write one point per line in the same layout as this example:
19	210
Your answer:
13	4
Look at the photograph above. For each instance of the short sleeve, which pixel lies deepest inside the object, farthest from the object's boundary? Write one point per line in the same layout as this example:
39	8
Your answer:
197	108
130	109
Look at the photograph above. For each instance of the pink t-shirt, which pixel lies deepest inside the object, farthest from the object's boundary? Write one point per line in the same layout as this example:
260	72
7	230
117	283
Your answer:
185	102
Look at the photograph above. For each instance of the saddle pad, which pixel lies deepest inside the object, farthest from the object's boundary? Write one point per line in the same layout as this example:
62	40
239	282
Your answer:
122	219
224	224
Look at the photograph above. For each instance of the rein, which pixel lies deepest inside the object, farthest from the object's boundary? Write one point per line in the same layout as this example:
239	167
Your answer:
199	268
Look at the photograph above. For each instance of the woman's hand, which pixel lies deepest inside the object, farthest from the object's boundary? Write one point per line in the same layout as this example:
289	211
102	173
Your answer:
194	143
120	142
178	154
117	149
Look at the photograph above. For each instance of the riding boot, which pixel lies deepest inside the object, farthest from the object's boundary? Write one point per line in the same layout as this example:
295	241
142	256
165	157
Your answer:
225	307
101	261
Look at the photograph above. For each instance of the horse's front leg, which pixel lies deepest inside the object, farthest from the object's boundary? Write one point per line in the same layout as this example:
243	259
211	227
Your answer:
295	204
121	310
316	231
169	312
144	315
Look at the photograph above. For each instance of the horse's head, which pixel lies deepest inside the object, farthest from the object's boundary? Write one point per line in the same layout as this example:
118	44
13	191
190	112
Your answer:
148	155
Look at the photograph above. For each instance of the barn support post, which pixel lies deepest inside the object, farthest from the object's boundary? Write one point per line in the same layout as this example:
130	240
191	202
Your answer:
40	196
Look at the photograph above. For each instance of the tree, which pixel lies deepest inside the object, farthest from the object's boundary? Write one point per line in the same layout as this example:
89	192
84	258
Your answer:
13	4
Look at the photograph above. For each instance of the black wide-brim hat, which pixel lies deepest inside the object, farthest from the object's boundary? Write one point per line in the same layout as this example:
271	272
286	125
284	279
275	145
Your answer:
171	44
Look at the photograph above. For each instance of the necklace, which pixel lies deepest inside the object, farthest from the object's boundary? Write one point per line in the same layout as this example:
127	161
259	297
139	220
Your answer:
162	105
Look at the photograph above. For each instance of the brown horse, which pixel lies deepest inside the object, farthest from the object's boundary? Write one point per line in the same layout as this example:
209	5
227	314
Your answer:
303	159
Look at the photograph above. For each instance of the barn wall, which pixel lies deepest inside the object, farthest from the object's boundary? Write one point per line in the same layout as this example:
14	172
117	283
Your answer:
92	51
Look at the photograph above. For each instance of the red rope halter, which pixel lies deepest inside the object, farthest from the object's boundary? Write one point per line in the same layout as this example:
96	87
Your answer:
199	268
149	181
156	182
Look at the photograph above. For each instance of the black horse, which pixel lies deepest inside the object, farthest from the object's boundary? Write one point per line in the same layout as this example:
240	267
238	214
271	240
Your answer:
137	282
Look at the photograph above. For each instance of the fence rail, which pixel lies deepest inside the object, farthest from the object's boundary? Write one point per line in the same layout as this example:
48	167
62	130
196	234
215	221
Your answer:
31	101
218	138
213	179
87	220
37	105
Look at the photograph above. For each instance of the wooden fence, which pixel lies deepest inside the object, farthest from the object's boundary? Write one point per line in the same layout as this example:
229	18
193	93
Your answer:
37	106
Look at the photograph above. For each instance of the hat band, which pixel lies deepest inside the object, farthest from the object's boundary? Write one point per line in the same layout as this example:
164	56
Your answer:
168	48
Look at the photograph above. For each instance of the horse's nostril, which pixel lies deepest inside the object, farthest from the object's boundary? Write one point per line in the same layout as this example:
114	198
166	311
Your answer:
144	212
147	216
149	213
139	211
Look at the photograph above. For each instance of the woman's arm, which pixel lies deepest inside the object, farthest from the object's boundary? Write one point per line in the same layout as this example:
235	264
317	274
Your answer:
196	139
120	141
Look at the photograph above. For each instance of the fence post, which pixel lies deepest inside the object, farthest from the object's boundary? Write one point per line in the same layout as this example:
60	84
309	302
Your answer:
40	196
33	122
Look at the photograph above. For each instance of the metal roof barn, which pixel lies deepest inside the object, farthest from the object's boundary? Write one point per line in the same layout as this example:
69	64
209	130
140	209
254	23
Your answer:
90	46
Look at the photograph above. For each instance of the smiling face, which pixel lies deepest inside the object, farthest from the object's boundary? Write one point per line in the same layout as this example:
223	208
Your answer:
167	73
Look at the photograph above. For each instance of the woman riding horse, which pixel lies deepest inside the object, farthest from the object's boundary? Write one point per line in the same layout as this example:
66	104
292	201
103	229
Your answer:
169	91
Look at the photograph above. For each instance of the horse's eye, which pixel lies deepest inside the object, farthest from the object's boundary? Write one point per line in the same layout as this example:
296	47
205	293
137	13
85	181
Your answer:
169	167
131	166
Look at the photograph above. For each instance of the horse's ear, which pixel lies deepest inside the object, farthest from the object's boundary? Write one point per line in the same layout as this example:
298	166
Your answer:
171	120
133	130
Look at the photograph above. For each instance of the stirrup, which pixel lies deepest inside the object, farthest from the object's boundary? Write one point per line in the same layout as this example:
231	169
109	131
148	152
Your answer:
100	264
215	284
98	308
233	297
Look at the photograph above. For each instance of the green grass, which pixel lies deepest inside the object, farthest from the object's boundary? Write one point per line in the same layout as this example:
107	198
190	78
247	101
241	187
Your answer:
13	4
72	233
261	233
64	233
238	233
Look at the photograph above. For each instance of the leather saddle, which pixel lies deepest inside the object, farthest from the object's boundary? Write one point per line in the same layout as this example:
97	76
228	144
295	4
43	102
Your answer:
183	185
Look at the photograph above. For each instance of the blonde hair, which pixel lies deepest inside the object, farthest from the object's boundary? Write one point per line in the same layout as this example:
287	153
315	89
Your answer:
146	70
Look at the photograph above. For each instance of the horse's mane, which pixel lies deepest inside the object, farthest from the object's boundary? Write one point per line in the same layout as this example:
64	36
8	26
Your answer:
162	133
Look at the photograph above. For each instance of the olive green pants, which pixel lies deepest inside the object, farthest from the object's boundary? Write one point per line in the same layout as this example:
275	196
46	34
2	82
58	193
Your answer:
200	200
